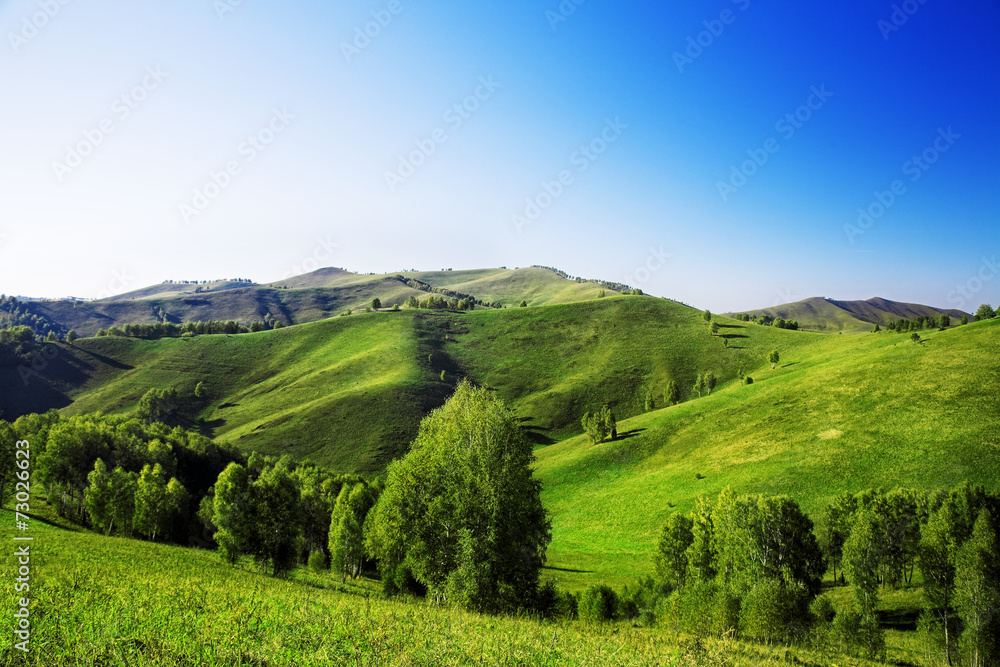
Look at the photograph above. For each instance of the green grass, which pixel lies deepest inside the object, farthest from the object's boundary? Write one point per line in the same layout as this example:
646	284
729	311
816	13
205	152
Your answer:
842	414
115	601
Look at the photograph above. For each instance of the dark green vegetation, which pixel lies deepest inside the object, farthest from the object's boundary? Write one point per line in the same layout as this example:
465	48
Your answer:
829	315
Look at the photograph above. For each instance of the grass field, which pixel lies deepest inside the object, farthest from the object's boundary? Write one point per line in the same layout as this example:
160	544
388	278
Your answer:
114	601
842	414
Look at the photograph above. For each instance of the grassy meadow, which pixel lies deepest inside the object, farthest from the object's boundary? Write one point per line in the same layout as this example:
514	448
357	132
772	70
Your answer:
114	601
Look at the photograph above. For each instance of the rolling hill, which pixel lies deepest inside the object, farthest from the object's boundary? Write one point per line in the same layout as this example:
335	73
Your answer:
307	298
830	316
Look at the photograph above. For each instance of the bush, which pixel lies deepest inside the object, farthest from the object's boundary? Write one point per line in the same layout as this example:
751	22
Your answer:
598	604
821	609
775	611
317	561
553	603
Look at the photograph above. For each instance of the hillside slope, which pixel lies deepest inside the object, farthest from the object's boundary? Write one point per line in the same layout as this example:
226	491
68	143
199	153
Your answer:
830	315
845	414
350	391
306	298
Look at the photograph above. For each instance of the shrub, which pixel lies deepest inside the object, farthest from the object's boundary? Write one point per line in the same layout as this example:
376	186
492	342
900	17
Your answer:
317	561
821	609
598	604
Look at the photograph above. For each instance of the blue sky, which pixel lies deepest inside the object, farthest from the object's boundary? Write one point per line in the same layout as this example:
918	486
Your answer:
638	142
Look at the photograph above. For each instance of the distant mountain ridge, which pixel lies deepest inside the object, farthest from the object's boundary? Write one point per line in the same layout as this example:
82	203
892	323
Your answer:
829	315
310	297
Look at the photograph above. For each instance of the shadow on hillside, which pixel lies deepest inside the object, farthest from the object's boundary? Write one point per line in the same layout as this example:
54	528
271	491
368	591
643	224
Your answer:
732	336
566	569
731	326
789	364
532	432
207	428
106	360
625	435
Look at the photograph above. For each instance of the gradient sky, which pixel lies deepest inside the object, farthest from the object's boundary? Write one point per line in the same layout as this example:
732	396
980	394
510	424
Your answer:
647	210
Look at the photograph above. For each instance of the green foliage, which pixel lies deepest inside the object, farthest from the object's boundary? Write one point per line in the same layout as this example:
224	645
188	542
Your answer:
671	559
773	358
672	395
347	529
710	382
714	328
376	303
707	315
876	329
985	312
318	561
524	304
977	593
158	405
600	425
598	604
915	337
699	384
71	336
152	511
463	509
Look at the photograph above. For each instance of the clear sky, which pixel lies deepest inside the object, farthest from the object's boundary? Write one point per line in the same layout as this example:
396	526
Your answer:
713	152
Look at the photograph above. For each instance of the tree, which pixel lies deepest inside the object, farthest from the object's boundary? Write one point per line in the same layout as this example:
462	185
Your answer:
915	337
463	509
714	328
610	423
672	395
98	498
945	321
598	604
595	425
699	384
152	512
985	312
347	522
524	304
648	404
71	336
277	529
376	303
158	405
233	512
876	329
965	319
671	559
710	382
861	555
773	358
977	592
707	316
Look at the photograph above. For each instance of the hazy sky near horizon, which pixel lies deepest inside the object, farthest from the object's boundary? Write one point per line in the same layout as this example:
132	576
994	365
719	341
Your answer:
731	154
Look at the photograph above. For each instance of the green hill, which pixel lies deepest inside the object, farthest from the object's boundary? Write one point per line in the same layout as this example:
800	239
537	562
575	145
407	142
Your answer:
306	298
829	315
349	392
841	414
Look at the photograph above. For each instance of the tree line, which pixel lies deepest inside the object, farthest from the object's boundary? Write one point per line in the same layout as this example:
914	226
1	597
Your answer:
171	330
